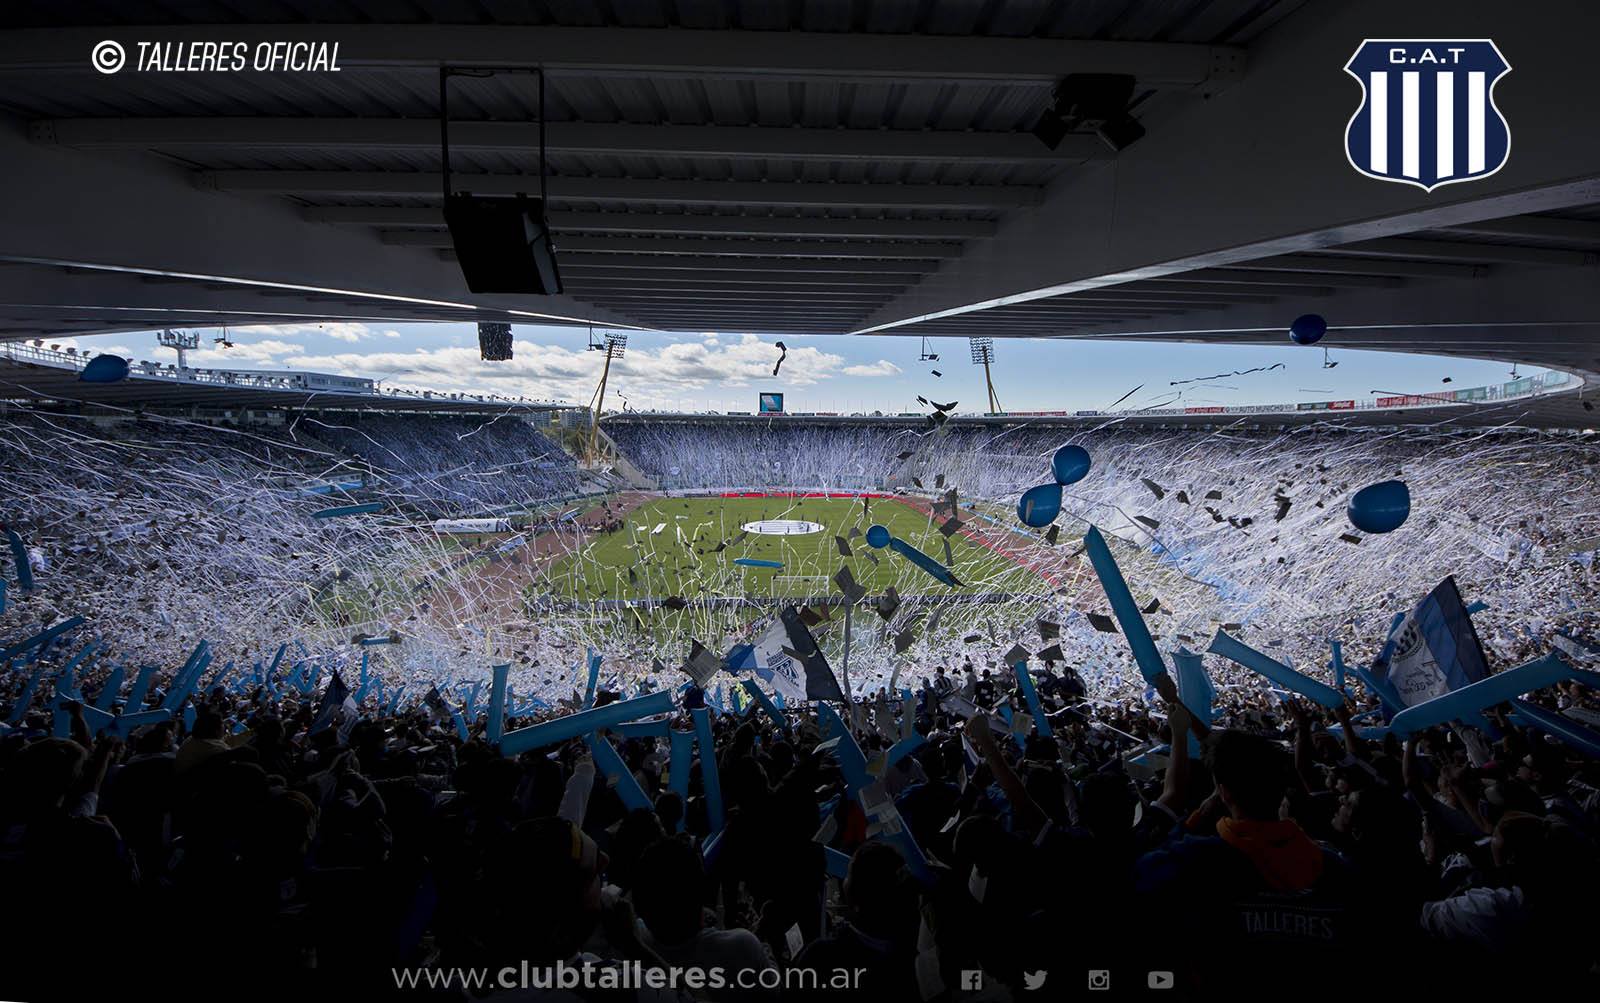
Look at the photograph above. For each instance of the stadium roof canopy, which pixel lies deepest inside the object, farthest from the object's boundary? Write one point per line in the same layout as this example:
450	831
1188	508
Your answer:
825	167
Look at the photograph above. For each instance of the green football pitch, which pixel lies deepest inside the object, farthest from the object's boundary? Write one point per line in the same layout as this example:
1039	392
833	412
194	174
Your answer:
668	547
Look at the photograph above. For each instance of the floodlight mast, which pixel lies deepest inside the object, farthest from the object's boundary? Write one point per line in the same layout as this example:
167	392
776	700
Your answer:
615	346
180	341
983	355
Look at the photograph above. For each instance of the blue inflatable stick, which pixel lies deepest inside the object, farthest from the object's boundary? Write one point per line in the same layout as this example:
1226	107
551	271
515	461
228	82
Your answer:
43	637
141	689
497	702
709	776
853	765
902	749
1559	726
25	699
97	719
837	862
679	765
534	736
343	510
594	679
1486	692
1237	651
66	679
1338	665
1040	723
1477	607
108	692
184	684
1195	690
1122	604
878	536
610	763
752	562
127	723
272	670
765	703
656	727
19	557
708	768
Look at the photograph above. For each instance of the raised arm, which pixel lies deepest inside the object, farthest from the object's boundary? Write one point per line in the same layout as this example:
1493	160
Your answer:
1172	786
982	740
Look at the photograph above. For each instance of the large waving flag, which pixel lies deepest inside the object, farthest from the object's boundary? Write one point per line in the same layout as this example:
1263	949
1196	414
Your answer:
1433	650
787	656
336	699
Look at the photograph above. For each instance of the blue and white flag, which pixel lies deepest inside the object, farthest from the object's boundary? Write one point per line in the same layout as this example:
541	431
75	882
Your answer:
336	699
1432	650
787	657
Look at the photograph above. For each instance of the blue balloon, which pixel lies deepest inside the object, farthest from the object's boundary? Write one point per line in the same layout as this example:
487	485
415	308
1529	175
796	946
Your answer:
1381	507
878	536
105	369
1308	329
1038	507
1070	464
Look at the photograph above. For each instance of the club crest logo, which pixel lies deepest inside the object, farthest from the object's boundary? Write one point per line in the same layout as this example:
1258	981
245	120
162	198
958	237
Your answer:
1427	115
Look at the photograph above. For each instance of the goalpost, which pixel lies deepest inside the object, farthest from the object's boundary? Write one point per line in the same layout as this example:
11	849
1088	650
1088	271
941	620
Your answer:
809	584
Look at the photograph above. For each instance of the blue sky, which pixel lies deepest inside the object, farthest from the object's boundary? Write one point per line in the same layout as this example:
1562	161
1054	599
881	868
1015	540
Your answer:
726	371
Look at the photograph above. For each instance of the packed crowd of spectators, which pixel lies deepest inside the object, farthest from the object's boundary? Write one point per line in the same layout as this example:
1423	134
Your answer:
245	848
449	465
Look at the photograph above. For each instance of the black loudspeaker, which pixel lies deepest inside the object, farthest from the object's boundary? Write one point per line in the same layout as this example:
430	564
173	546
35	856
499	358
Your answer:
503	244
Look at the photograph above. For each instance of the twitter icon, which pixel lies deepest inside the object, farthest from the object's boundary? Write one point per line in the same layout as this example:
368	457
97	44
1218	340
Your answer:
1033	980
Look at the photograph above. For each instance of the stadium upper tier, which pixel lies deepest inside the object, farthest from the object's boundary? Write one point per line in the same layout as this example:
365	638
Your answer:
37	374
1548	400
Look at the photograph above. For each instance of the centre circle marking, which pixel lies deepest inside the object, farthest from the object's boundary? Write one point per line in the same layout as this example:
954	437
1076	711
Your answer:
782	527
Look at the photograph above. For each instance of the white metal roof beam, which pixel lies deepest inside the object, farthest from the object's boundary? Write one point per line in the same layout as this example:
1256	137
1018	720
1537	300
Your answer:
570	189
682	222
1264	277
648	52
1445	250
707	246
668	263
597	138
731	280
1576	231
1355	268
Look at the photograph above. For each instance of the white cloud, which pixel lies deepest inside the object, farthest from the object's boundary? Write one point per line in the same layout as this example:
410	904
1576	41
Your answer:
391	334
883	367
351	331
259	352
657	377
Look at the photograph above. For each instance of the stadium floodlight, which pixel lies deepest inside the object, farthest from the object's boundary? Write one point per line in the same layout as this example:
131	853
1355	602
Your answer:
181	341
615	345
983	355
